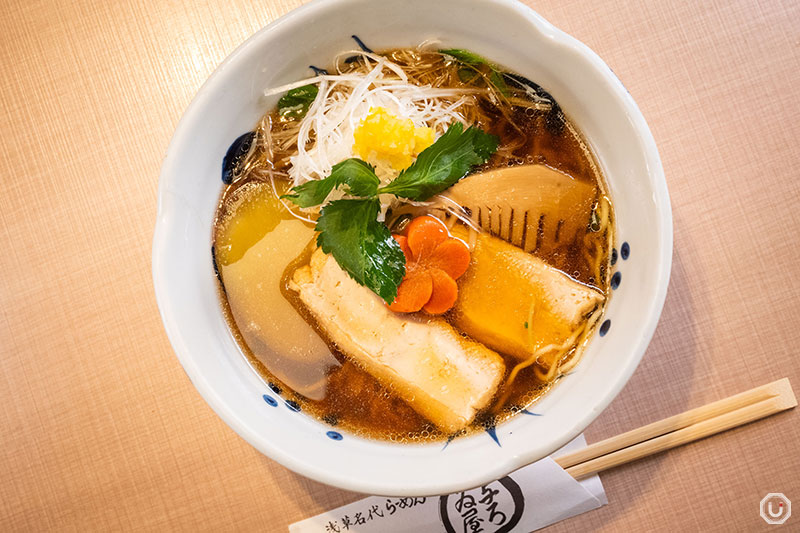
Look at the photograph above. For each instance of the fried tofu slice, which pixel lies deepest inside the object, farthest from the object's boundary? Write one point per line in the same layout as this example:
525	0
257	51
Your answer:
440	374
514	302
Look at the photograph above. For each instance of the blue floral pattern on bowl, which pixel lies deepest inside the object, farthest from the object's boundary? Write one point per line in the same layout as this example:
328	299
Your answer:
489	427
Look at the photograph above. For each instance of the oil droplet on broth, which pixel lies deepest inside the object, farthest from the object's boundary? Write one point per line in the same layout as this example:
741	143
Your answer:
254	230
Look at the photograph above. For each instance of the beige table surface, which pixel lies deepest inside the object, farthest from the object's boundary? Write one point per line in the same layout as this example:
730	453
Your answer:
100	428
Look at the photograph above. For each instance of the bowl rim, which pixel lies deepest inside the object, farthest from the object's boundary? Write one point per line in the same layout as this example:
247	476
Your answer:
229	415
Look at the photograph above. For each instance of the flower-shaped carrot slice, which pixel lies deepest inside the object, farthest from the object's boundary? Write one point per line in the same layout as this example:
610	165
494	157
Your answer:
433	262
424	235
444	292
452	256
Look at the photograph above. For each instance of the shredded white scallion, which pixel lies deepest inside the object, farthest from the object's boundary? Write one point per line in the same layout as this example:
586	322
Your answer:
343	100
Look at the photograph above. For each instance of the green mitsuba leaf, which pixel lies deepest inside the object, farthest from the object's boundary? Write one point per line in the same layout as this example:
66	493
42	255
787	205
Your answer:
295	103
359	177
349	229
363	247
443	163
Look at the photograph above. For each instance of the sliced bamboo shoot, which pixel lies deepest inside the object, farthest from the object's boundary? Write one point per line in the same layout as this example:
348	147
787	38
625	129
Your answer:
531	206
247	243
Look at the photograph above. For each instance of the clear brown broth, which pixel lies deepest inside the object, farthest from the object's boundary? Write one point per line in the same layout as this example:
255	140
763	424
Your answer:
352	399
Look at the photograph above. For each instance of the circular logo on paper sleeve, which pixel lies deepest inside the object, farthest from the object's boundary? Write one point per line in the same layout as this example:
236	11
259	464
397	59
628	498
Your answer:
493	508
776	508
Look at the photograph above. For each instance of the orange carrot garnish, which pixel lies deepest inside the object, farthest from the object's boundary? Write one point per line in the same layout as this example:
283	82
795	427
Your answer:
434	260
443	294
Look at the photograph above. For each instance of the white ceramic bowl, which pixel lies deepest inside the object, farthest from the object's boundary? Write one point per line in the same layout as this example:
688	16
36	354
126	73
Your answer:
230	103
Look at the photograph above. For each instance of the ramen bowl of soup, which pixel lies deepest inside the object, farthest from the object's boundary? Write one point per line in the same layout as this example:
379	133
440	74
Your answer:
406	248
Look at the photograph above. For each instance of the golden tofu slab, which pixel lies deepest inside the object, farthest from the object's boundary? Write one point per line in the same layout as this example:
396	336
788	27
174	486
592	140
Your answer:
514	302
440	374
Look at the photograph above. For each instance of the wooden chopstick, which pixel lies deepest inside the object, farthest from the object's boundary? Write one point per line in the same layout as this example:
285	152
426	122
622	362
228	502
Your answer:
680	429
672	423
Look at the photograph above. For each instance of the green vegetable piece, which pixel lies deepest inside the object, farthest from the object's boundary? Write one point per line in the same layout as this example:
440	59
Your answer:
473	59
467	75
358	175
363	247
496	79
443	163
295	103
465	56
